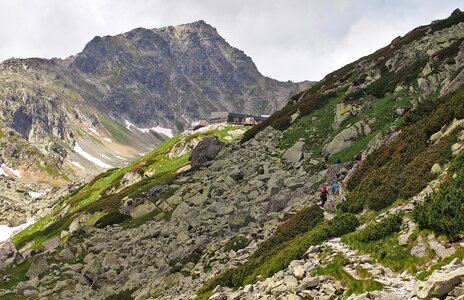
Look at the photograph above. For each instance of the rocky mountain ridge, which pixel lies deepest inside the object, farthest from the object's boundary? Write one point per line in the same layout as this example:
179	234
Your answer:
244	221
70	119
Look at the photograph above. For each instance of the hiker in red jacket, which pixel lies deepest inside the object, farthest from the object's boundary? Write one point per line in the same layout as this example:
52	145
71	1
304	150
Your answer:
323	190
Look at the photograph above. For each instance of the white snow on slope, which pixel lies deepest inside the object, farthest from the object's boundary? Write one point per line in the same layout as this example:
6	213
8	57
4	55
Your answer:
13	171
166	131
91	158
104	156
6	231
36	194
120	157
108	140
94	131
75	163
2	172
129	125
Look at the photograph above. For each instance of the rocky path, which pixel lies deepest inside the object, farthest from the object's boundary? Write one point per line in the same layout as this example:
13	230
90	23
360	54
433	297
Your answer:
300	279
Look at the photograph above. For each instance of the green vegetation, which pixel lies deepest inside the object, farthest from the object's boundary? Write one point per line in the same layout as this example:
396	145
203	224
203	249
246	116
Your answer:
335	269
377	230
116	130
387	252
402	168
15	274
321	127
290	242
423	274
442	211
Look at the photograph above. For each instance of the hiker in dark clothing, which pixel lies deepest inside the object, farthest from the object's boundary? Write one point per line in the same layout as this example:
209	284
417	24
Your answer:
323	191
326	155
338	161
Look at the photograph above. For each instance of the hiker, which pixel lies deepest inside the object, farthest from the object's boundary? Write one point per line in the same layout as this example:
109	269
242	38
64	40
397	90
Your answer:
335	187
326	155
338	161
323	189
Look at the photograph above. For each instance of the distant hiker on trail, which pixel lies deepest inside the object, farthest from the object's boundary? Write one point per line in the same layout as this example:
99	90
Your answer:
323	189
326	155
335	187
338	161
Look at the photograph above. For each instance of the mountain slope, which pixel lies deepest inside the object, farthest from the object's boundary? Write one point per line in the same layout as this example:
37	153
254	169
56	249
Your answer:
65	120
246	224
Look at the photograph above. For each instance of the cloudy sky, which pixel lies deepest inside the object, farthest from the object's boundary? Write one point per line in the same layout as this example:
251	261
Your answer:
287	39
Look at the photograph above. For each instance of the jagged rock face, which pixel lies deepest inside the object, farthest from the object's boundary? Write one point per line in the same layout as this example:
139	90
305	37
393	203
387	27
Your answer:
160	77
183	71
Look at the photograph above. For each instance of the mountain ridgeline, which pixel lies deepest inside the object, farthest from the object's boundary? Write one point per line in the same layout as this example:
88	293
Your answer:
228	212
123	95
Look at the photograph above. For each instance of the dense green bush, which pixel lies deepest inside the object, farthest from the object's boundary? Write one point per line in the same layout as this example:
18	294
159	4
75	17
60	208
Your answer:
442	212
111	218
278	257
301	222
378	230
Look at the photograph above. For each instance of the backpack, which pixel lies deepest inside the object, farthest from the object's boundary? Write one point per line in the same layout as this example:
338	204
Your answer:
323	189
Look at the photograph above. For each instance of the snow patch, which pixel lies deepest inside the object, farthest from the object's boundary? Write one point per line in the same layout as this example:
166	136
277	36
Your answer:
75	163
166	131
104	156
129	125
91	158
94	131
2	172
108	140
36	194
11	170
6	231
120	157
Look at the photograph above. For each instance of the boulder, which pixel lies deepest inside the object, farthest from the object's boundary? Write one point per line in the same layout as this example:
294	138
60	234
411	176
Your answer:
440	283
346	137
142	209
205	151
420	249
30	285
38	267
51	244
342	112
436	169
296	152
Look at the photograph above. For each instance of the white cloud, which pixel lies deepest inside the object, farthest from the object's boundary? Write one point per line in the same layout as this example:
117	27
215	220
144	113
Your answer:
287	39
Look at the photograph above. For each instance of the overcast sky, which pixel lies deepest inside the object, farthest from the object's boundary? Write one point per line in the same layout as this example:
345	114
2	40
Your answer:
287	39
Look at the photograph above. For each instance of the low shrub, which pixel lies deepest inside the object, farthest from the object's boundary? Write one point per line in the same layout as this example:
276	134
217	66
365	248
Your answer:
301	222
378	230
111	218
446	23
277	258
